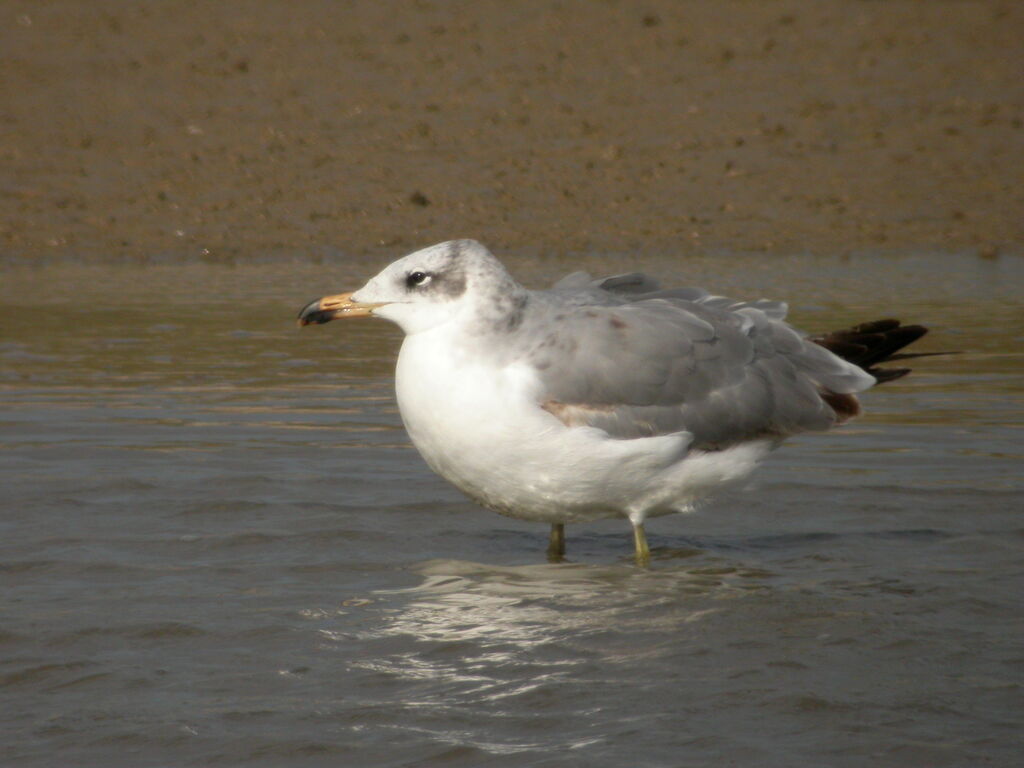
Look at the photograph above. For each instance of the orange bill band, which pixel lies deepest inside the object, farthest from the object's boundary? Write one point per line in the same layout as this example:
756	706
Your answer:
332	307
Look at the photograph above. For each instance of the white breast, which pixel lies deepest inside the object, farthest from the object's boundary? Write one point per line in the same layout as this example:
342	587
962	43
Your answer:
480	425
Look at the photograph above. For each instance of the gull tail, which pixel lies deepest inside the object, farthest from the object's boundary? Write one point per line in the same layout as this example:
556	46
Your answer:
869	344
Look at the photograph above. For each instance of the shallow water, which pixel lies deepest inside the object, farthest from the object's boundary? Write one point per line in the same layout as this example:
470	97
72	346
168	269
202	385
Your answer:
218	547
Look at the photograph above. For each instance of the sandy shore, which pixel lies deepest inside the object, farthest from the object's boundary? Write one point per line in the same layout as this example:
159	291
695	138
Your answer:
236	129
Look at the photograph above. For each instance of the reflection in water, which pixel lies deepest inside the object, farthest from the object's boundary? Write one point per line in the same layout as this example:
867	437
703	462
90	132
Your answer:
472	635
525	605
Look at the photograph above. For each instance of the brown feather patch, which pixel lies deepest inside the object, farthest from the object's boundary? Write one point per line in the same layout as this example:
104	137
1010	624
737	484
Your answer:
573	414
845	406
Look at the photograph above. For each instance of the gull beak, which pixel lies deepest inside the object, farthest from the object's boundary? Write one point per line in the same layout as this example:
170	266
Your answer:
340	305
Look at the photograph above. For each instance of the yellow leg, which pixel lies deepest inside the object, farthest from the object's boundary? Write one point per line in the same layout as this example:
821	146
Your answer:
556	543
643	553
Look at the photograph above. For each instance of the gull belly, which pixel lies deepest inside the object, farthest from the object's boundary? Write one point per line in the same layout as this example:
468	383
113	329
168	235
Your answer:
481	427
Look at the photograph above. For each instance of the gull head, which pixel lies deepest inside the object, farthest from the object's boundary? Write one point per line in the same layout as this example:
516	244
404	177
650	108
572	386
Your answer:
422	290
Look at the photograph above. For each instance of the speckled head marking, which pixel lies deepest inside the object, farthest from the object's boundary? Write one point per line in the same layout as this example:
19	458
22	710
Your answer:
439	274
498	301
504	312
438	284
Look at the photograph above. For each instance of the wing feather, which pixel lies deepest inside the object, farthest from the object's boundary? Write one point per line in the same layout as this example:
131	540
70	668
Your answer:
639	363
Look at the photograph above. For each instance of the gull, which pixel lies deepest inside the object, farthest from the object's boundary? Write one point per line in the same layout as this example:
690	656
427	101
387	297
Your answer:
606	398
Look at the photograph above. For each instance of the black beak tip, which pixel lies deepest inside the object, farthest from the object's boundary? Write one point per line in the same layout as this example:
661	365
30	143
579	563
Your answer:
311	313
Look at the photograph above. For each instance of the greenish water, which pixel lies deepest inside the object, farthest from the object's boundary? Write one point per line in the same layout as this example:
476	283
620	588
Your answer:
217	547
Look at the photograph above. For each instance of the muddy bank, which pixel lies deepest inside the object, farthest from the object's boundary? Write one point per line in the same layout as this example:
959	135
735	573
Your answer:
243	129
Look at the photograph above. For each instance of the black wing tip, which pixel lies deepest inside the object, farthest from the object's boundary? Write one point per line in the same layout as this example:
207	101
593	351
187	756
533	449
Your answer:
882	375
876	341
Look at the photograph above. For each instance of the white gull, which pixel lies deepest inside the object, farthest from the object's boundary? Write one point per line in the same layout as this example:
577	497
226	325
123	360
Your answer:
601	398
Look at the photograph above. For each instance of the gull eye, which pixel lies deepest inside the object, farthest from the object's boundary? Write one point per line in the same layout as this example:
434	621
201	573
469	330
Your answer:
416	278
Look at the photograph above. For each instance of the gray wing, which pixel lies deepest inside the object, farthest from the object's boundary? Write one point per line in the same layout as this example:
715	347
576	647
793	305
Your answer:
637	362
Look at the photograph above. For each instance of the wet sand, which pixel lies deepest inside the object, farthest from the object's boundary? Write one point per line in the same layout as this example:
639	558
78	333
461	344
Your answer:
241	130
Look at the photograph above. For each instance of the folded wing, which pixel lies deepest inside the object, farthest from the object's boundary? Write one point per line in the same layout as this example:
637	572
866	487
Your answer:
637	362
